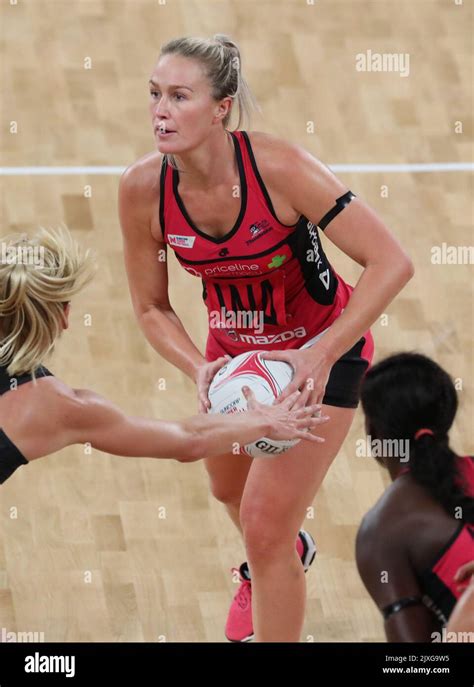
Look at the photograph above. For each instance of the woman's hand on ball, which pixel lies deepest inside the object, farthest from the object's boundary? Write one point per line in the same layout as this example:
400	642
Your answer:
311	373
204	377
288	420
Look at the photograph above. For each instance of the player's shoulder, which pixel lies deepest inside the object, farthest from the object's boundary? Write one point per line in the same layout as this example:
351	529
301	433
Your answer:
142	176
378	545
58	397
139	195
278	158
50	387
279	149
383	525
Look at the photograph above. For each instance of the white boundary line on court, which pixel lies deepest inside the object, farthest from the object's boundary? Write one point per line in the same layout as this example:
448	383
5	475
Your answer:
362	168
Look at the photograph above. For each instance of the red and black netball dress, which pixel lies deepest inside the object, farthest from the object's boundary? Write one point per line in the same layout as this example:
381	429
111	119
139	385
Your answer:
266	285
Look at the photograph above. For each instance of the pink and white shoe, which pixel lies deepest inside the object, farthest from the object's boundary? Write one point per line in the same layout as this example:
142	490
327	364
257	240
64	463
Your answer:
239	625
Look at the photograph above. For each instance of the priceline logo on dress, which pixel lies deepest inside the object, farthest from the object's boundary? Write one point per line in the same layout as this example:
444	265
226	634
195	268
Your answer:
224	269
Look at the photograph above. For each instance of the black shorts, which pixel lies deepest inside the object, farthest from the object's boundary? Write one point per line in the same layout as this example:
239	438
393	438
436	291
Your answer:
10	457
345	378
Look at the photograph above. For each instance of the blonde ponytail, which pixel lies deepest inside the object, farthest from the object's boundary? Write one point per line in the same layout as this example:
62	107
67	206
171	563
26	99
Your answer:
38	276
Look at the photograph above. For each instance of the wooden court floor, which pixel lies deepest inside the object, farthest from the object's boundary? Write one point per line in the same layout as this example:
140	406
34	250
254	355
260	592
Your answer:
103	548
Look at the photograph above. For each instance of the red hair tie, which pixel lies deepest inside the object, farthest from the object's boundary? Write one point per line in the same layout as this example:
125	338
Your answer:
420	433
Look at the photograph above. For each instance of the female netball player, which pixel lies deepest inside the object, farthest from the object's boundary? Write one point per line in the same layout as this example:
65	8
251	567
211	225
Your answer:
242	211
413	542
43	415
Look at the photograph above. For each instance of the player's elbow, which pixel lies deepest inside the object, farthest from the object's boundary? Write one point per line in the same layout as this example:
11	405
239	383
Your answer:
190	455
406	268
147	313
400	269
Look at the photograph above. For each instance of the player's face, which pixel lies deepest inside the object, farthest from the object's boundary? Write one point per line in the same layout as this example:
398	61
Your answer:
180	103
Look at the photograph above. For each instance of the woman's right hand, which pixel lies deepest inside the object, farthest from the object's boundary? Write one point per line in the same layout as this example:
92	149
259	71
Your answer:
204	377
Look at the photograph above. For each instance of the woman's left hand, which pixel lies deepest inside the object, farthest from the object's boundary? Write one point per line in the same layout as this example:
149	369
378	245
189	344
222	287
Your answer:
311	373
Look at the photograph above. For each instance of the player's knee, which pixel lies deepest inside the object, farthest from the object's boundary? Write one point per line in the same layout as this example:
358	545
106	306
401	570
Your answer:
264	535
226	493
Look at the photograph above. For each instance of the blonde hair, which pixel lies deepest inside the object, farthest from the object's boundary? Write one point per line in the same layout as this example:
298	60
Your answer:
38	276
220	57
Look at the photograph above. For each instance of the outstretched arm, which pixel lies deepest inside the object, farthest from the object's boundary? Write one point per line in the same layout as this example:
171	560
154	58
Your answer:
90	418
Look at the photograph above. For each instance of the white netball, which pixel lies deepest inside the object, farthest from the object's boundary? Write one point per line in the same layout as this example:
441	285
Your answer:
266	378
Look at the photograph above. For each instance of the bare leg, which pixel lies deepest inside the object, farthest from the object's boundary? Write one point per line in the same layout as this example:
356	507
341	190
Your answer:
228	474
234	512
277	493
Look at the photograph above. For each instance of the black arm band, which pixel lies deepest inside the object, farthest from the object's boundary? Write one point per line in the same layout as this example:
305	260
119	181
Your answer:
340	205
400	605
